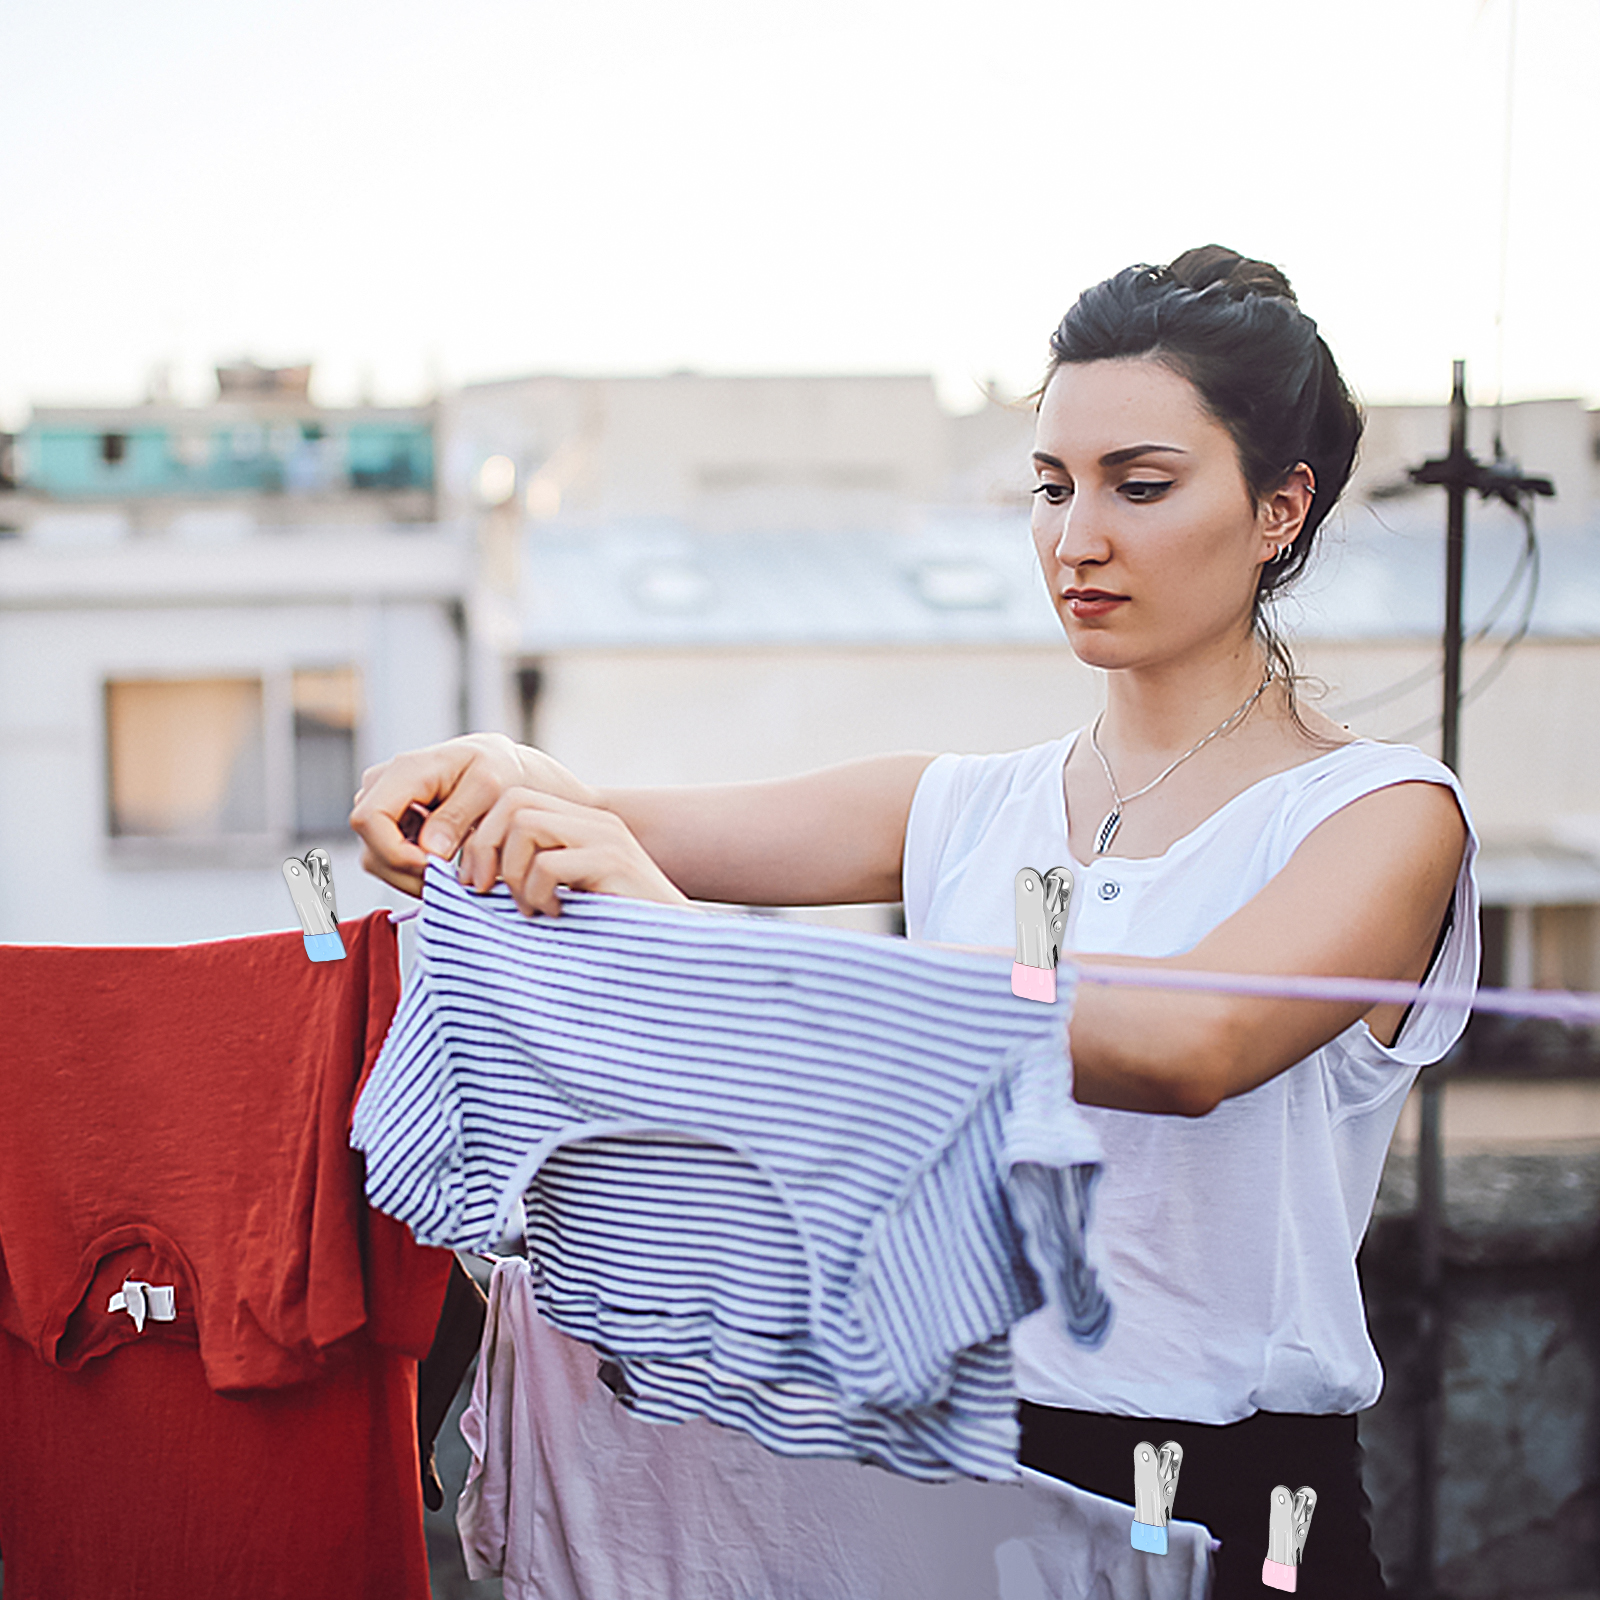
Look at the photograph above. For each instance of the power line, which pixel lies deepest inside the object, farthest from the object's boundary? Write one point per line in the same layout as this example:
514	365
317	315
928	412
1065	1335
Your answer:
1527	558
1528	561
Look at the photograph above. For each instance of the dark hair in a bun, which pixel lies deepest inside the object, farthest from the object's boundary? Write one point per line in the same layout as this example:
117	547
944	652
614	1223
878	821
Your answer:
1233	328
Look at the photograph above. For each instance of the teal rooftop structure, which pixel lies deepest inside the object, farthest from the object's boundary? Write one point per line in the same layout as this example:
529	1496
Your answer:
262	436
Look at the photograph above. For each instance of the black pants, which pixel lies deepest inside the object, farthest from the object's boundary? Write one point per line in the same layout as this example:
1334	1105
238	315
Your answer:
1227	1478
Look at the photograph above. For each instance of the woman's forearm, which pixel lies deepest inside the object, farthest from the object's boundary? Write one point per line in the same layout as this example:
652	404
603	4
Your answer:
830	837
1182	1052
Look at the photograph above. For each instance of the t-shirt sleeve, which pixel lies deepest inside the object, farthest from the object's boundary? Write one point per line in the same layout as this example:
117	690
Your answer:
933	808
1434	1024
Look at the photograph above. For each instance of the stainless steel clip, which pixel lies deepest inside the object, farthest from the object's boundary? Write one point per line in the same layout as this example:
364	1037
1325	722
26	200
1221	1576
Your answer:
1155	1483
310	883
1041	901
1286	1536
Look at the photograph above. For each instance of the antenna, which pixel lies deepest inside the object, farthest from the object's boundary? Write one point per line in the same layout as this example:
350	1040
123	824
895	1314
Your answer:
1505	234
1459	473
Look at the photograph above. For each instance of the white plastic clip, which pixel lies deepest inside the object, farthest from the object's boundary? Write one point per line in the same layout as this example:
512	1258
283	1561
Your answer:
1042	899
1155	1484
311	888
1286	1536
158	1302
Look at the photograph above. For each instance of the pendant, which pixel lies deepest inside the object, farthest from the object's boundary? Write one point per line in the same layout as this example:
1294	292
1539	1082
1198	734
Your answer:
1108	830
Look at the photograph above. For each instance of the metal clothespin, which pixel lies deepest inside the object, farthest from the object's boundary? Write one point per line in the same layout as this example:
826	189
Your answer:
1286	1536
1155	1483
311	888
157	1301
1042	899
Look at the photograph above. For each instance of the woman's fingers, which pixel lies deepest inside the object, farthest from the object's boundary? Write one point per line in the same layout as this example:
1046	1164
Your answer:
536	843
375	818
480	865
453	783
407	882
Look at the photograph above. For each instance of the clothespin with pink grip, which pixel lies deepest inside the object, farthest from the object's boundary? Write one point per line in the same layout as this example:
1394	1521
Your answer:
1286	1537
1042	899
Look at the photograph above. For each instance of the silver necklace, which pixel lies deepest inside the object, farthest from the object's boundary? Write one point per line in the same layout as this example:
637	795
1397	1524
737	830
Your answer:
1107	830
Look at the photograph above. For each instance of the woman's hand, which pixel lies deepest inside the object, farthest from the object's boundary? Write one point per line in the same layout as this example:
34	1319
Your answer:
535	841
448	788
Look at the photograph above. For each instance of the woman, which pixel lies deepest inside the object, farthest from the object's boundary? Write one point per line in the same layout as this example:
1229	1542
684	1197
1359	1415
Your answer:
1193	434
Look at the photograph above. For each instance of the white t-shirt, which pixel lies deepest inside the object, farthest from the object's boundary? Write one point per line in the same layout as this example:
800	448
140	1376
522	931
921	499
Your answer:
572	1497
1227	1242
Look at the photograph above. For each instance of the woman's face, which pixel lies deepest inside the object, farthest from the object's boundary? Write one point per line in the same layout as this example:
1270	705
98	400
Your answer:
1149	539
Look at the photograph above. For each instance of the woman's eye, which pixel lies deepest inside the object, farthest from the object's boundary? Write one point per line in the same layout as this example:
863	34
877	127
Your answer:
1055	494
1142	489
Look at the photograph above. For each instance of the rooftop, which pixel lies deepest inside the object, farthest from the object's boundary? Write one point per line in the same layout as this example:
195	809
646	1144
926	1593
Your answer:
970	577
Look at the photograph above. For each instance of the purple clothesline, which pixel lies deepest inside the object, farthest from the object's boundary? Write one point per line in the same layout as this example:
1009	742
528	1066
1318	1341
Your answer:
1556	1005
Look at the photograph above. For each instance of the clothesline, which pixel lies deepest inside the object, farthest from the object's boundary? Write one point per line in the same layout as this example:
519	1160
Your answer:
1555	1005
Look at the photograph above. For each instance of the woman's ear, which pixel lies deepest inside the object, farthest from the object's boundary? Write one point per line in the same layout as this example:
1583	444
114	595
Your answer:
1285	509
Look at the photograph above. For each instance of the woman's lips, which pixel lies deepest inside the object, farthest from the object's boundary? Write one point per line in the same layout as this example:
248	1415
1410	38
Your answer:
1087	603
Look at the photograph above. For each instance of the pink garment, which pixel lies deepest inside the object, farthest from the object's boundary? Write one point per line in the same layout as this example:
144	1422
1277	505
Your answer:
571	1498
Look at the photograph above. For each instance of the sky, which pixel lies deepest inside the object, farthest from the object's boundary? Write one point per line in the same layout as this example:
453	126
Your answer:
414	195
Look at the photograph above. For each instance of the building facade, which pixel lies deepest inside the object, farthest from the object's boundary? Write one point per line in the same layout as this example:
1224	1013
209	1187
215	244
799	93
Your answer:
211	620
263	453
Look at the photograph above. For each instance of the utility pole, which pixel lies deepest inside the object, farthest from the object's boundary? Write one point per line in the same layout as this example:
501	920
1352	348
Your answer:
1459	473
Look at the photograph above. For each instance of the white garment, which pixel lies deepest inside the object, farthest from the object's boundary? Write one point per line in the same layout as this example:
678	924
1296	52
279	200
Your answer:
1227	1241
569	1497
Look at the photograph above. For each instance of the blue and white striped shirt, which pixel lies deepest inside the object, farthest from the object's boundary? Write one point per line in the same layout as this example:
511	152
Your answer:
799	1180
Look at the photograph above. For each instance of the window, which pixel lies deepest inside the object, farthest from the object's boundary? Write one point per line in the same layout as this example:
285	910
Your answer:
326	710
231	761
1541	946
1565	947
186	758
1494	926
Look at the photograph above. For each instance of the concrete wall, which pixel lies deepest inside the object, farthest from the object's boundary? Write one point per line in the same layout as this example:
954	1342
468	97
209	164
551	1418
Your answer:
641	717
66	879
711	452
1529	757
659	716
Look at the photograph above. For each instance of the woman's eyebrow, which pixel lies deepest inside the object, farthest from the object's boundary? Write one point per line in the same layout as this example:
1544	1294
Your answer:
1116	458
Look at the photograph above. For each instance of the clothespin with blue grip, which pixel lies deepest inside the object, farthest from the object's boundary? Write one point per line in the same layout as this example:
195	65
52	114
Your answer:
1155	1484
1041	903
311	888
1286	1536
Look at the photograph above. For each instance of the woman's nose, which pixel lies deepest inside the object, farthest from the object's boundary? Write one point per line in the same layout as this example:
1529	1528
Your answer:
1079	539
